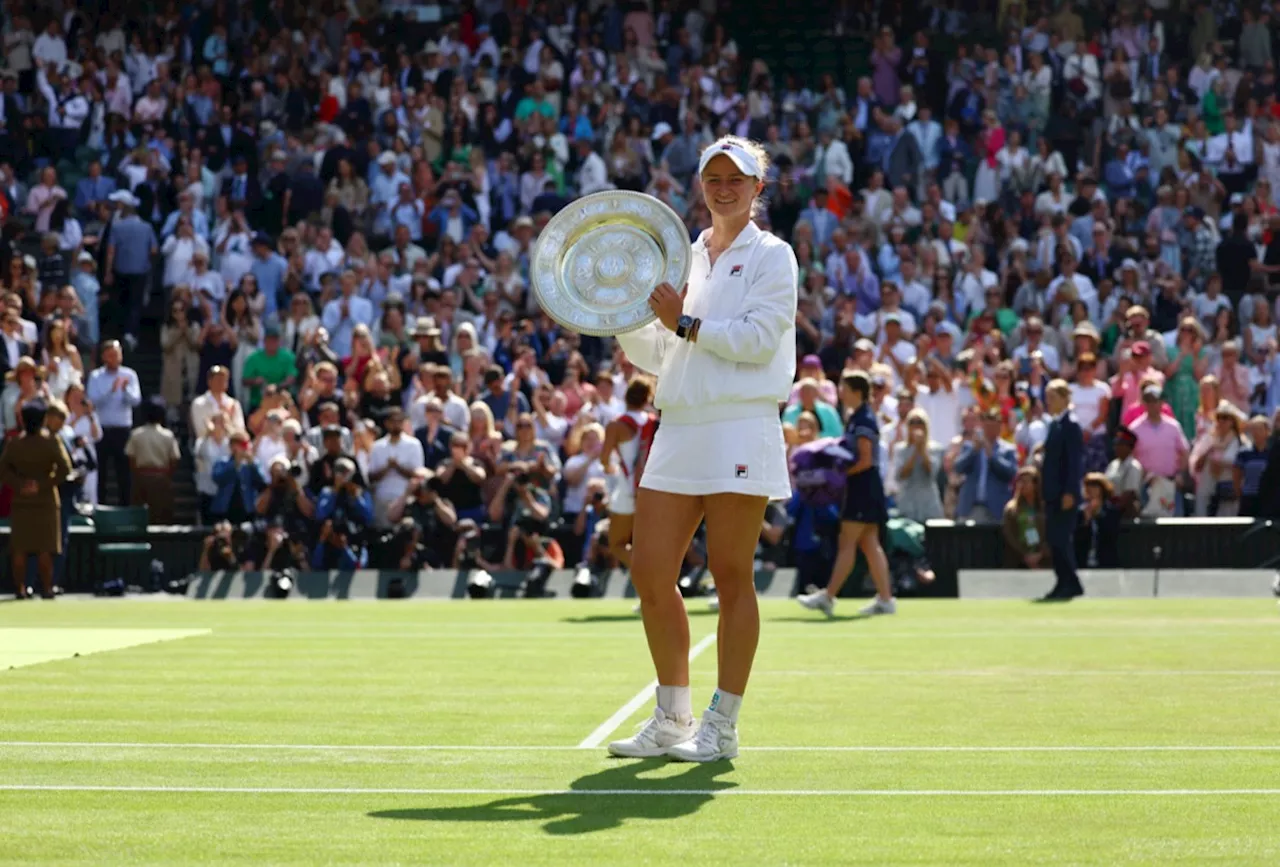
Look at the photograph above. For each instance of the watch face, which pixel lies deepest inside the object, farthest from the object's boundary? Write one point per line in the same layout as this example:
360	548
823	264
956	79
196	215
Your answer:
684	321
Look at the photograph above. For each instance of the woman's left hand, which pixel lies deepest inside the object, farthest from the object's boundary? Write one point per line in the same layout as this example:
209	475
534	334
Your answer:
668	304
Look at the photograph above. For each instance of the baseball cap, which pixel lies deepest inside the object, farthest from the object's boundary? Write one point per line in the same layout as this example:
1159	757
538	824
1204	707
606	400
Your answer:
1151	392
660	129
742	158
1141	348
271	330
811	361
864	345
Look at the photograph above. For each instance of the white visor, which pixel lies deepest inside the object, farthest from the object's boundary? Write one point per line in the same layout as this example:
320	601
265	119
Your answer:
741	157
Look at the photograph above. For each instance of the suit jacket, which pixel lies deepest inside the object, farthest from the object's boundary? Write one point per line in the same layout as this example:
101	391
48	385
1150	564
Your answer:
1063	467
253	190
905	162
23	349
1001	468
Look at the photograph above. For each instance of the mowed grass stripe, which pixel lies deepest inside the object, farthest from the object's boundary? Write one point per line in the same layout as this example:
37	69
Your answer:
700	793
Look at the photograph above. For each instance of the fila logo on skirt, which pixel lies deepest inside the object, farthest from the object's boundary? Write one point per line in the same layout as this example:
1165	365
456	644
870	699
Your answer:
740	471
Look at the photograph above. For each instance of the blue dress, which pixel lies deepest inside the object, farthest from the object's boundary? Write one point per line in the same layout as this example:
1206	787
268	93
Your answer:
864	500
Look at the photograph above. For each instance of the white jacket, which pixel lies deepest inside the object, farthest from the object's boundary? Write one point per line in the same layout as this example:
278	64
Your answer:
745	358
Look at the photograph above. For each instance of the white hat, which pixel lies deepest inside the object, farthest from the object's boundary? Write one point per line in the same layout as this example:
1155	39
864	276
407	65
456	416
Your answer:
660	129
947	211
387	158
742	158
85	256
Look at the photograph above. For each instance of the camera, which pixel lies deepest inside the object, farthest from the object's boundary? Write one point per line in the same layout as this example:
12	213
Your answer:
295	470
434	485
522	478
530	525
598	498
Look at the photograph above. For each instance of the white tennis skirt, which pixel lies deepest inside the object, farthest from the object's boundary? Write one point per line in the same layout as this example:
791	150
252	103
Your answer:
735	456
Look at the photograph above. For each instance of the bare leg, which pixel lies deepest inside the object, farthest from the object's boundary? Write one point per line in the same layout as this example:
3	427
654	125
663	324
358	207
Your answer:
877	562
850	533
664	527
733	529
44	565
620	529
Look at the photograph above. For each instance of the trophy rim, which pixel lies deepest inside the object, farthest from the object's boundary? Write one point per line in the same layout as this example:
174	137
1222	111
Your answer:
566	222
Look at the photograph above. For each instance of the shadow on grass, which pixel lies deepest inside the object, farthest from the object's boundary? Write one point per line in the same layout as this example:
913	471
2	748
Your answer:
620	618
579	812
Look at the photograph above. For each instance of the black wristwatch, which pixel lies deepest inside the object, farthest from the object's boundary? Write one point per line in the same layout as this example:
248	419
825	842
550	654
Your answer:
683	324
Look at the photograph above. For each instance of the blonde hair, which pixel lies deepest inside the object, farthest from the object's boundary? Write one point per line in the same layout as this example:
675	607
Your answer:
574	443
487	414
920	417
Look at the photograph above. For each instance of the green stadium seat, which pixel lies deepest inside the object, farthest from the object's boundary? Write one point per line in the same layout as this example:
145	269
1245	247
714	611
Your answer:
127	523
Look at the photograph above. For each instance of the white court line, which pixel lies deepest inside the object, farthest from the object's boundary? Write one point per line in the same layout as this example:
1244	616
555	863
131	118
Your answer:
512	748
1027	672
606	728
704	793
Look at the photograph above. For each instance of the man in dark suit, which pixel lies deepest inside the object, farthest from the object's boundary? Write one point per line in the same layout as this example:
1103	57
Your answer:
1061	474
241	189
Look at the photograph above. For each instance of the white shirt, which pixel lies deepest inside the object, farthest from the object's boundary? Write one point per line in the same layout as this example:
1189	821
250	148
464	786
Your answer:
407	453
49	49
1087	400
943	409
1242	142
1206	308
745	356
593	176
206	405
575	496
1048	352
318	262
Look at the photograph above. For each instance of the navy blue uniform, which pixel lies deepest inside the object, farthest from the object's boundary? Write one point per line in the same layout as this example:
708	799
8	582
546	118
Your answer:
864	500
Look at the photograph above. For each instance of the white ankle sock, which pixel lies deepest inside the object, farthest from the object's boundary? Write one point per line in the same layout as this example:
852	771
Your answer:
726	704
675	701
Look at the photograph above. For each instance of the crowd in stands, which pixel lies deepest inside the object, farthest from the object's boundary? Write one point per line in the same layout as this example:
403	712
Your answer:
337	209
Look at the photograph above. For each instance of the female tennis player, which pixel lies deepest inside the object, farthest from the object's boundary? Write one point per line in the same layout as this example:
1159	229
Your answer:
724	350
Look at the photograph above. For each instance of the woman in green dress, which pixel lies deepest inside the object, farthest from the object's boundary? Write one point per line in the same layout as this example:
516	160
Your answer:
1183	374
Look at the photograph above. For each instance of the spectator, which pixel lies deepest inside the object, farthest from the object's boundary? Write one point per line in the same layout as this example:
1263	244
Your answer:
1162	450
131	245
915	469
1250	464
433	519
1098	536
180	365
988	465
808	401
217	401
1023	524
270	365
114	391
1212	463
392	463
238	480
153	456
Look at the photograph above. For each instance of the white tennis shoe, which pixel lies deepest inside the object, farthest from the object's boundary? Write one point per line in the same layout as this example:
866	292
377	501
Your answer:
655	737
881	606
717	739
818	600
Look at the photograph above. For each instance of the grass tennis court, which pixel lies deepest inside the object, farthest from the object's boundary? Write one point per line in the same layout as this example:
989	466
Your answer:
957	733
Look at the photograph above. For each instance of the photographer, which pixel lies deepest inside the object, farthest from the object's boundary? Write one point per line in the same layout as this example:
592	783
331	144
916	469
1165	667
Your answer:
275	549
431	516
336	550
462	478
519	496
468	550
345	504
284	500
332	450
528	547
218	553
583	528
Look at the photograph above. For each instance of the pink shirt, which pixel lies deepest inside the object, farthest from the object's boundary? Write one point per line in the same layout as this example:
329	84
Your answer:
1161	447
1128	387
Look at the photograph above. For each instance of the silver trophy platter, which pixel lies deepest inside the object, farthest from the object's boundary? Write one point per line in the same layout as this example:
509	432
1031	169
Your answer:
597	261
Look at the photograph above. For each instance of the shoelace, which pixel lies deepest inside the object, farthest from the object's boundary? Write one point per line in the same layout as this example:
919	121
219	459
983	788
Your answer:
708	736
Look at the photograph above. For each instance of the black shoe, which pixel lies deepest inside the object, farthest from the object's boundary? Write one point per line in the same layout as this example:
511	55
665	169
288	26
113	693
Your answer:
1056	595
49	595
